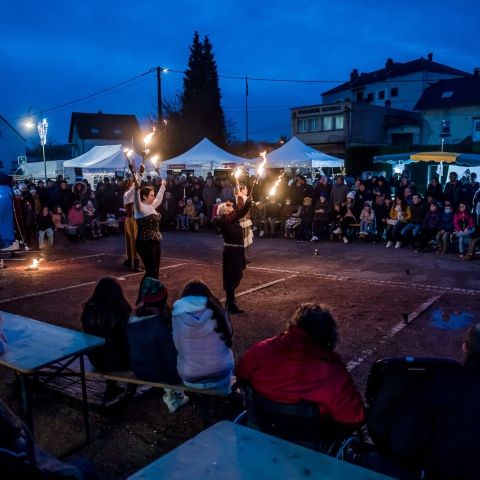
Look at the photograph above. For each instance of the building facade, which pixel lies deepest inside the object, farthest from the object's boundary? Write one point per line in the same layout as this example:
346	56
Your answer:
91	129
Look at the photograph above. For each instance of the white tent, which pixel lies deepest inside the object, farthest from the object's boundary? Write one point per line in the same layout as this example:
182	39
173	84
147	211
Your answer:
297	154
204	155
108	157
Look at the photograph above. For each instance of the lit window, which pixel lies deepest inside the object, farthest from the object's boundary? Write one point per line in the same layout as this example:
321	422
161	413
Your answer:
312	124
447	94
339	122
327	123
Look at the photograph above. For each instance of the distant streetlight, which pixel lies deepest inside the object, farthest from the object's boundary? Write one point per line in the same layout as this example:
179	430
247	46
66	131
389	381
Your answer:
42	128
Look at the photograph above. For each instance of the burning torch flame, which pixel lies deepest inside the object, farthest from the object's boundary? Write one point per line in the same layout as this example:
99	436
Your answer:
148	138
154	160
261	166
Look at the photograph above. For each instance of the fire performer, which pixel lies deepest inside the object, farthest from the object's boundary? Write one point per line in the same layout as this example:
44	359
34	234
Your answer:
234	247
131	231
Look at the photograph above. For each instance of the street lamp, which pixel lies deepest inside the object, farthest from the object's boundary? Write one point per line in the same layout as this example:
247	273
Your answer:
42	128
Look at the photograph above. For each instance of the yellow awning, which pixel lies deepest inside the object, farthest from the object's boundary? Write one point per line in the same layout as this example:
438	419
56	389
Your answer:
447	157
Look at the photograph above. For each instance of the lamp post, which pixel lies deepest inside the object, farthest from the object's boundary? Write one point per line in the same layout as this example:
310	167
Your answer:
42	127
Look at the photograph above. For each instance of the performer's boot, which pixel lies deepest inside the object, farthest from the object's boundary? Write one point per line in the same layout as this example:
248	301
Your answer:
136	266
231	305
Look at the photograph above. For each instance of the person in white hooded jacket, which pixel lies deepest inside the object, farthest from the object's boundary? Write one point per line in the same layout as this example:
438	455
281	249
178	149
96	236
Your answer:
202	334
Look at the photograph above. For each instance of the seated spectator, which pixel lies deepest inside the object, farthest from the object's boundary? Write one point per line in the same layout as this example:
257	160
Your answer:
445	228
349	217
21	458
272	218
105	314
430	226
367	221
398	217
381	208
218	201
202	334
321	217
300	364
472	246
199	210
152	353
181	217
463	227
285	213
45	228
90	220
190	215
75	220
418	210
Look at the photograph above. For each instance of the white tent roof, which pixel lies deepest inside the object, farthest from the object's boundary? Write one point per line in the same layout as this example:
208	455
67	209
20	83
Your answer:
204	152
295	153
101	157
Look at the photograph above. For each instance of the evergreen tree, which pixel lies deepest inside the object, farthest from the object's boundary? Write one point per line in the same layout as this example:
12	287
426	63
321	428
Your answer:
201	112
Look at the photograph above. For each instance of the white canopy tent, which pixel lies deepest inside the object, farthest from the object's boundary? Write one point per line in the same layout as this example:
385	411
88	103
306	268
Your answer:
204	156
105	158
296	154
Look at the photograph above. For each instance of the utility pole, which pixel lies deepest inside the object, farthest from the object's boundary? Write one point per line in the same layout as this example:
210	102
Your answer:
159	96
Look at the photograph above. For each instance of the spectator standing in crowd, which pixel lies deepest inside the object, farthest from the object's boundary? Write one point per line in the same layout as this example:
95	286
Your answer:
234	248
463	227
452	190
45	228
105	314
202	334
29	222
148	224
322	188
168	210
130	230
434	190
227	193
59	219
209	196
90	220
65	197
338	193
301	365
79	190
321	216
152	353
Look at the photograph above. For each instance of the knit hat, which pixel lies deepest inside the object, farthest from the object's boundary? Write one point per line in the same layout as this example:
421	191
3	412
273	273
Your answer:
351	195
152	291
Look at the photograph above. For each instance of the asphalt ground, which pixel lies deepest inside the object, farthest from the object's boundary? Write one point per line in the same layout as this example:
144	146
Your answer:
373	292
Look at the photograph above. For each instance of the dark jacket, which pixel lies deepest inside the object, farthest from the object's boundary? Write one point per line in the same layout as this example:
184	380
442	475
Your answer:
152	353
431	220
230	229
446	221
114	355
45	222
327	211
418	212
452	192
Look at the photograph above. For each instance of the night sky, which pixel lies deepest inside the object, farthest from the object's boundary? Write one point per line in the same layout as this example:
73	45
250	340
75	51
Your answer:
54	52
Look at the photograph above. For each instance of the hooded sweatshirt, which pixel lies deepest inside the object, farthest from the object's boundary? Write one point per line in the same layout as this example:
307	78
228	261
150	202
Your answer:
202	354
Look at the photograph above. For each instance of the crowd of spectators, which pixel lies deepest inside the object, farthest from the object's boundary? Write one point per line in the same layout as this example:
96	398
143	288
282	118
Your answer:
378	210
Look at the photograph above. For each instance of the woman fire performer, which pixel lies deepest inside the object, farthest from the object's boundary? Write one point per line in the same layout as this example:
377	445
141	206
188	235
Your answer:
234	248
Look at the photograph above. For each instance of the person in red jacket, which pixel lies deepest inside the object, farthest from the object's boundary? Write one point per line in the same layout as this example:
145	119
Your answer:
300	364
464	226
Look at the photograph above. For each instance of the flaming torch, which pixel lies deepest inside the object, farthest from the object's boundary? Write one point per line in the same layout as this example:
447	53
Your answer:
260	170
273	190
34	265
237	174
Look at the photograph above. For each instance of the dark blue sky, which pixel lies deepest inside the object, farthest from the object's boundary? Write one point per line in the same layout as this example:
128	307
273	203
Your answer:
56	51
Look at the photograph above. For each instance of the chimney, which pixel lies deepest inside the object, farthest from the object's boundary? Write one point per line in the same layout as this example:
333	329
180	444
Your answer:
389	63
430	57
354	75
476	72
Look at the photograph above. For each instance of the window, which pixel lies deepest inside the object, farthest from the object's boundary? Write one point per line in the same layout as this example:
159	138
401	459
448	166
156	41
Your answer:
447	94
339	122
381	95
117	131
302	125
312	124
394	92
94	131
359	97
327	123
370	97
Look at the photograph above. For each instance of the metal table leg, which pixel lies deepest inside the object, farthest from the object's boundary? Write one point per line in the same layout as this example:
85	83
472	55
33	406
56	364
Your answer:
84	398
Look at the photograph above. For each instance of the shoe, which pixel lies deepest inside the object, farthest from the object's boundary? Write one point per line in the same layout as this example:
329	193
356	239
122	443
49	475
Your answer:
337	231
345	240
14	246
389	244
314	239
234	308
261	234
175	400
398	245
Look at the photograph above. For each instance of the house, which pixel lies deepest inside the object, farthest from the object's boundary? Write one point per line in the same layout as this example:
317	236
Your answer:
90	129
372	109
398	84
451	111
12	146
